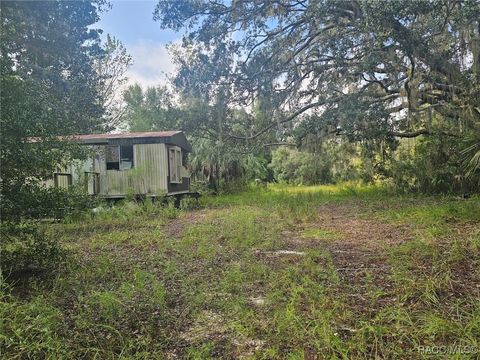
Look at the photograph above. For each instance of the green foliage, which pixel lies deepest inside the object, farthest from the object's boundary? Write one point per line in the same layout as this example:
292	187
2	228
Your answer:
211	283
29	201
471	155
297	167
27	248
149	109
49	89
48	46
285	40
330	162
189	203
368	70
432	165
111	69
225	169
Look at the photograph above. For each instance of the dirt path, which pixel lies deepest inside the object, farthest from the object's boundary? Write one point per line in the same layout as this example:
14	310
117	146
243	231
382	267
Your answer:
358	249
176	227
352	240
359	244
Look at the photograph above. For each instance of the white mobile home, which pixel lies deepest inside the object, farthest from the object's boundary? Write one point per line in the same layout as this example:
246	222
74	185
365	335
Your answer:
141	163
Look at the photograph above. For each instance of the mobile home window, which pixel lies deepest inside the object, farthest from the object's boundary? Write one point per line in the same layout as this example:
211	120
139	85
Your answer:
126	157
113	158
119	157
175	164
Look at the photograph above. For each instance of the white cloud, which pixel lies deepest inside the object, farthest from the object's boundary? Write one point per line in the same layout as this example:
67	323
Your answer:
151	63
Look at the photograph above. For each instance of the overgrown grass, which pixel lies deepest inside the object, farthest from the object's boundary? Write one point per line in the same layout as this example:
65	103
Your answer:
286	195
145	282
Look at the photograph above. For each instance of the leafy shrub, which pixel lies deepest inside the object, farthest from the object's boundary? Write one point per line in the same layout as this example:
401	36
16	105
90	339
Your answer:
293	166
297	167
321	161
38	202
26	247
189	203
170	211
233	186
432	165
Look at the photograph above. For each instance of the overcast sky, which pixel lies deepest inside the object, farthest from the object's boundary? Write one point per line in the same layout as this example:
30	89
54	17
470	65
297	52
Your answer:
131	21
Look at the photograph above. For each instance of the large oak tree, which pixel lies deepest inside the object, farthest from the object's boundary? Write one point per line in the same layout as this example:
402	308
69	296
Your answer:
363	68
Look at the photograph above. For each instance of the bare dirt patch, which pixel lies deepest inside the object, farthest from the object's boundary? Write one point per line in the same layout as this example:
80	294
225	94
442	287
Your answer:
212	327
359	252
176	227
357	236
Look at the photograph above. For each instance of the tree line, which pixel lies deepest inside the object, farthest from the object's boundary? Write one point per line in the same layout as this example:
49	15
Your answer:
384	90
287	90
301	91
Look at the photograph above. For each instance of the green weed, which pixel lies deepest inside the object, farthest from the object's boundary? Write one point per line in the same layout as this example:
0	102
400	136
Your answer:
320	234
142	280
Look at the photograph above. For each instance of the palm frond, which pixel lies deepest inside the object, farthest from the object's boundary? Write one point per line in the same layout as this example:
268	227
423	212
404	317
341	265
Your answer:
472	158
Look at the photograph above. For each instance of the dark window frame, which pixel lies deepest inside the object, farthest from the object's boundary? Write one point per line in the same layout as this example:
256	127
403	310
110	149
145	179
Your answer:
175	164
117	165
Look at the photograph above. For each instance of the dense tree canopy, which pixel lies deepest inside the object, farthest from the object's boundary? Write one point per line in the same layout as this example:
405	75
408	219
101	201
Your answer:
49	87
150	109
367	67
372	72
50	45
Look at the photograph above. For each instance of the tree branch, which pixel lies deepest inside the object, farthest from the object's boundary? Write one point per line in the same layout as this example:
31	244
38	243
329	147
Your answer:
287	119
417	133
280	144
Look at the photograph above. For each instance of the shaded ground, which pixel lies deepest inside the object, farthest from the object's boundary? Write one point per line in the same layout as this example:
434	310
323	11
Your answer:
359	244
263	275
359	250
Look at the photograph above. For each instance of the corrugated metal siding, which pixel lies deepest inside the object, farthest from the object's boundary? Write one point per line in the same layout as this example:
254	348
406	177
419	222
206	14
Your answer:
101	167
63	181
149	175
